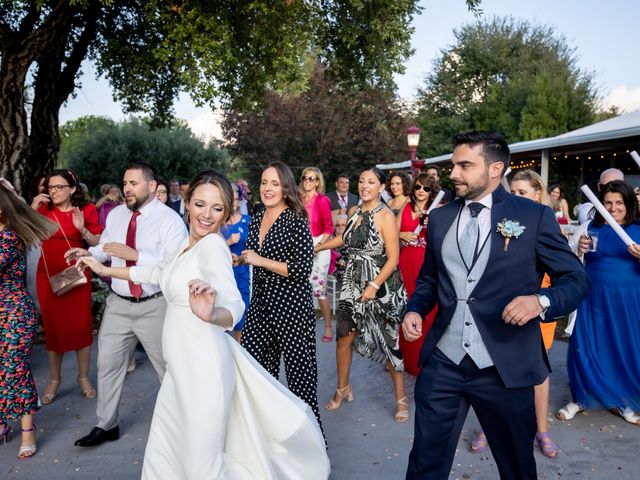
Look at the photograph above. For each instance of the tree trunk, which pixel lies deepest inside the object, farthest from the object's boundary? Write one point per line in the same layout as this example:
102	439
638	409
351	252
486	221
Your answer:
14	136
58	46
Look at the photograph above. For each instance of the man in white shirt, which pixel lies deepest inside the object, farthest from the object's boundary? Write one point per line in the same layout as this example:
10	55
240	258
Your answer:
142	232
585	210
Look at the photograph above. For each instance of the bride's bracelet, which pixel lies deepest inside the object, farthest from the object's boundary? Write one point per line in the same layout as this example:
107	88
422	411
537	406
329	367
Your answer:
374	285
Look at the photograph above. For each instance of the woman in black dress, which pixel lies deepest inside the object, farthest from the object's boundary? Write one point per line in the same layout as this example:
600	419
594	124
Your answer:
281	320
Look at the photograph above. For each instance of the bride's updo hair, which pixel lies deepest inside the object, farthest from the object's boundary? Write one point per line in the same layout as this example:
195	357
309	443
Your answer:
215	178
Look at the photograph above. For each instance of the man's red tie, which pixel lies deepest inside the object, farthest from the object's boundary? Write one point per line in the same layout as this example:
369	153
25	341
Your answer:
136	290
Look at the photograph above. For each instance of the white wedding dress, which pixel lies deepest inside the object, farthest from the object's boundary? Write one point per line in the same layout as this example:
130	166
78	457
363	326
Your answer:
219	414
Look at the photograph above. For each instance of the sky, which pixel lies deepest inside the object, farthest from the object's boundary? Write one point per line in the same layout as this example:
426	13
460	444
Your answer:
603	33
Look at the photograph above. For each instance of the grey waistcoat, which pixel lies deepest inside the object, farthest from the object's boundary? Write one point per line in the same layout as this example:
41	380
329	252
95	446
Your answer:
462	336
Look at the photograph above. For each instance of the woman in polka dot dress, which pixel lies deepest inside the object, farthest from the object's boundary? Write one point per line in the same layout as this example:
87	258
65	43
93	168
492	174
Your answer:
20	228
281	320
372	298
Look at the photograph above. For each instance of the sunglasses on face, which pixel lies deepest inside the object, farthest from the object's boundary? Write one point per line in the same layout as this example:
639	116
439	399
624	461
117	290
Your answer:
309	179
417	187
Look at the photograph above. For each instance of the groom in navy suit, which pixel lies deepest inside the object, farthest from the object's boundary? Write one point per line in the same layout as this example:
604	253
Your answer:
486	256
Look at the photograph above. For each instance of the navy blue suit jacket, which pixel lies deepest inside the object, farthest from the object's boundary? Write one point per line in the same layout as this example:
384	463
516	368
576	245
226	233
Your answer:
517	351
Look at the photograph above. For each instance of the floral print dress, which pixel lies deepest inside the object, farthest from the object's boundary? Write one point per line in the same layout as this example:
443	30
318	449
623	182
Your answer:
377	322
18	326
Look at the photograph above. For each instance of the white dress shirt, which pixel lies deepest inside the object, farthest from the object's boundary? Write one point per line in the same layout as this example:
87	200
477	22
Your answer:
484	218
159	233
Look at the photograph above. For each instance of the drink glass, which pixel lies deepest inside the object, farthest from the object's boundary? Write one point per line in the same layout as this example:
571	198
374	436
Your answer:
593	240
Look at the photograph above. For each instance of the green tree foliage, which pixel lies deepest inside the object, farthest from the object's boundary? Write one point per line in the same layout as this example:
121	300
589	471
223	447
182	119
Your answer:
503	75
98	150
150	50
322	127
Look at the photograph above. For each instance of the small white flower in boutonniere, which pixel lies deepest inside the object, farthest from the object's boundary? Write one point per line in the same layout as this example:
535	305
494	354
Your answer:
509	229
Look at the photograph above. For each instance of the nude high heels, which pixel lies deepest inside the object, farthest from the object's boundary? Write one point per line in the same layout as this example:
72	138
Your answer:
341	394
27	451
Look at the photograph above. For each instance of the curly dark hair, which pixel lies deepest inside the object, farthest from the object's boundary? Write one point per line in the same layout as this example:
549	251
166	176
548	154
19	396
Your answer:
406	183
78	198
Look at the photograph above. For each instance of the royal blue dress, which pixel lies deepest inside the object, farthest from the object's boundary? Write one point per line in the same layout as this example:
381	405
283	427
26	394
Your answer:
604	353
241	272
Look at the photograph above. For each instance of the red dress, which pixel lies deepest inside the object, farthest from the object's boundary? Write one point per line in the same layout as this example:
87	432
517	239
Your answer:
411	258
66	318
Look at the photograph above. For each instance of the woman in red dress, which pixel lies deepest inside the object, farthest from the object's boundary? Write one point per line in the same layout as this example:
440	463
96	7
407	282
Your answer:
413	248
67	317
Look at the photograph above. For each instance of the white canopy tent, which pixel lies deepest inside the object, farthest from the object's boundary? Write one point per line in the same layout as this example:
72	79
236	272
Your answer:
618	130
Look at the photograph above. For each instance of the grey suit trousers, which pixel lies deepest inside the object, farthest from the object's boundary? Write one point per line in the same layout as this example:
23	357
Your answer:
123	324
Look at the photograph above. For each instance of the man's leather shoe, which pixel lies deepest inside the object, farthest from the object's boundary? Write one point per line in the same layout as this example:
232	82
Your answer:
98	436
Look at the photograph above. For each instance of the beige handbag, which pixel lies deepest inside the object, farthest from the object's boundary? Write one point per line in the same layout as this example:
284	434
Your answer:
67	279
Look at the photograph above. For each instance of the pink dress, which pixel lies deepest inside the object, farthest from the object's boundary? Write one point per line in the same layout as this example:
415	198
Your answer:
320	223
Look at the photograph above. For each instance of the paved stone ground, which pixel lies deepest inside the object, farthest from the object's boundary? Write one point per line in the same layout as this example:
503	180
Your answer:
364	442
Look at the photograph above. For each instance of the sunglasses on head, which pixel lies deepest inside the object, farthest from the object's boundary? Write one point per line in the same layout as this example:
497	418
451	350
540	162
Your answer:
308	179
417	187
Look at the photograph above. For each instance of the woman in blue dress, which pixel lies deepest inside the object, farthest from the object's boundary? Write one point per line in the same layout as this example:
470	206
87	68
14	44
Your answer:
603	361
235	233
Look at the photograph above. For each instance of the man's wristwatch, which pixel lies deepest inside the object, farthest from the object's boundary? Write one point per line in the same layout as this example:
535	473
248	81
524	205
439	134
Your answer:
544	302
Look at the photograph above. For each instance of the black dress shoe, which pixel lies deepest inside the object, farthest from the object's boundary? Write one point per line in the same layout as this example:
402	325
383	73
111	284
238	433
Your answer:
98	436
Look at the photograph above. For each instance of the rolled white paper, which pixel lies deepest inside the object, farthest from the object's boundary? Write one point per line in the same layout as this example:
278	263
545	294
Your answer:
507	172
636	157
436	201
607	216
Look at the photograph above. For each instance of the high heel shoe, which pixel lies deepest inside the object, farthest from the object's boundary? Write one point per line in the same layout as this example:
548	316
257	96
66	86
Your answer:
48	398
327	338
402	416
341	394
86	392
27	451
5	434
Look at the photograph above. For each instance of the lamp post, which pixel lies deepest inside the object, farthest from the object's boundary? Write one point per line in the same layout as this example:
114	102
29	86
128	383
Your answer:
413	139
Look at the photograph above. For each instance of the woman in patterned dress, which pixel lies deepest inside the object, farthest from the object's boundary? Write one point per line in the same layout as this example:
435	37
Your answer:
20	228
372	298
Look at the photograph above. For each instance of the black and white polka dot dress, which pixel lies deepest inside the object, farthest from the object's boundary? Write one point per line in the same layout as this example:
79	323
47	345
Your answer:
281	320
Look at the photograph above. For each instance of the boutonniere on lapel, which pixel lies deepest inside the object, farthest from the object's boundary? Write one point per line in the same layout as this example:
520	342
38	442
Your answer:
509	229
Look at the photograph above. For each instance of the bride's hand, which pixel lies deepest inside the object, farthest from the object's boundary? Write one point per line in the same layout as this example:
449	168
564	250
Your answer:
202	299
92	263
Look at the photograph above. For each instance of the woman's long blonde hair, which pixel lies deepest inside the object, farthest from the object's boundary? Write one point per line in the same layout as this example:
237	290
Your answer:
29	226
536	183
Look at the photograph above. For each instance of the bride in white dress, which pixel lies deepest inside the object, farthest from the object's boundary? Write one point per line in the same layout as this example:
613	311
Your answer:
219	414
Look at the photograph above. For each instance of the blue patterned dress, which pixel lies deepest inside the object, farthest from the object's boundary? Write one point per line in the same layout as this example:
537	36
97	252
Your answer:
240	272
18	326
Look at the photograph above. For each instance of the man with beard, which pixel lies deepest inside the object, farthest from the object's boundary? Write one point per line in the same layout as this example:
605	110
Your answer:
486	255
142	232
